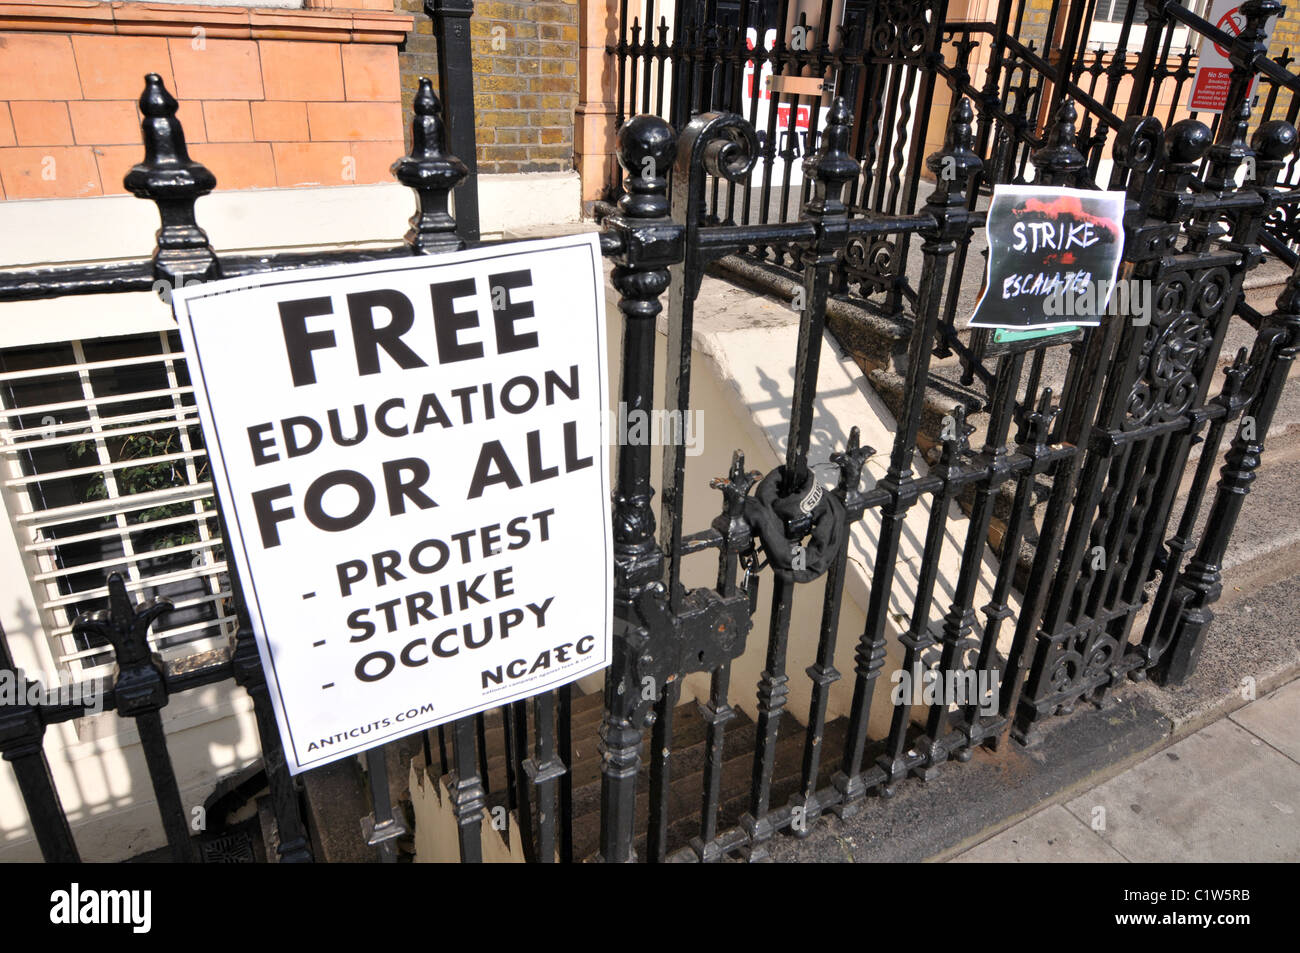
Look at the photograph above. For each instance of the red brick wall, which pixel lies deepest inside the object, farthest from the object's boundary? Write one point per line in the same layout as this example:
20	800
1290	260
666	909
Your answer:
268	98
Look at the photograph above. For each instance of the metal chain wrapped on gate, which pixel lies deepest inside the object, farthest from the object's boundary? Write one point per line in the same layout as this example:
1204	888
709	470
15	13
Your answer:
769	512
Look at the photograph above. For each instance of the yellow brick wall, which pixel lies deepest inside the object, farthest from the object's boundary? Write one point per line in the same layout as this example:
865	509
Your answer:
525	80
1286	36
1034	25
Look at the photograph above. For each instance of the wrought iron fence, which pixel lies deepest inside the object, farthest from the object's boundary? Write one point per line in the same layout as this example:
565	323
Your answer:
1115	441
890	61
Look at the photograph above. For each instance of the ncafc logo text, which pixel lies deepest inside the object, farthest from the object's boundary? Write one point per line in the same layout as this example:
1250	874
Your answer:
78	906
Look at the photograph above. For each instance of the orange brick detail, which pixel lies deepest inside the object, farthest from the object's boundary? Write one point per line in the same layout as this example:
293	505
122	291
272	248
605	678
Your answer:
359	21
330	122
238	165
217	69
36	66
114	67
228	121
279	121
175	19
41	124
114	163
190	115
6	127
313	163
374	160
56	172
105	122
370	72
302	71
56	16
386	5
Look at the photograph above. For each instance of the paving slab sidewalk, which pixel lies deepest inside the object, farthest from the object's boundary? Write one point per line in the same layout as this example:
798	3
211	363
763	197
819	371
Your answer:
1228	792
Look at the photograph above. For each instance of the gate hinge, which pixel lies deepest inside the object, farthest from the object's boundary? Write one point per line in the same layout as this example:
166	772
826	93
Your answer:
708	630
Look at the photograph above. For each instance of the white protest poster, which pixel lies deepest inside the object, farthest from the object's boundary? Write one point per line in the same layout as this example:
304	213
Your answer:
1053	257
411	460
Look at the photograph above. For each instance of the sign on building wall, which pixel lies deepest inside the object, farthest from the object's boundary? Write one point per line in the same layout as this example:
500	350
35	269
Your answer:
794	113
1053	257
412	466
1214	69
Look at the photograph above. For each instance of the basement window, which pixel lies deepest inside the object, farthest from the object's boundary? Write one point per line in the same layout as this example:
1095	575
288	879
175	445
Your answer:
104	470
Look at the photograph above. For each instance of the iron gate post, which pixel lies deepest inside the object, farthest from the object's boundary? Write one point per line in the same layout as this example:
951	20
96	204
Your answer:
649	242
456	82
1272	358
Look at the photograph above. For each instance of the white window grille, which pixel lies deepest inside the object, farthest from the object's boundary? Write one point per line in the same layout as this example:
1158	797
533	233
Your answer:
105	471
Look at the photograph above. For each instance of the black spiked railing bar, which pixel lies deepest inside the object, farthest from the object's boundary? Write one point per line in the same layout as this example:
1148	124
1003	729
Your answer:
899	759
294	844
141	692
736	538
849	462
468	798
831	169
959	622
384	826
949	208
543	769
516	716
22	736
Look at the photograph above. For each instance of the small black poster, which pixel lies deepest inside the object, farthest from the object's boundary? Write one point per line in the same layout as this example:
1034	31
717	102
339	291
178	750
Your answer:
1053	257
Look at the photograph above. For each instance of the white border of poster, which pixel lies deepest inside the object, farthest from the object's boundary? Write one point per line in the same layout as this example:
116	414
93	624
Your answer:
345	681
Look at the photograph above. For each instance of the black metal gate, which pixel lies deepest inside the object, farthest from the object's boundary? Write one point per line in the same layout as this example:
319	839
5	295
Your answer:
1113	445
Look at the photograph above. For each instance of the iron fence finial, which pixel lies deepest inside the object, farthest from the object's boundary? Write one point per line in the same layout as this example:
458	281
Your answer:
832	165
174	182
123	624
646	149
1273	142
955	164
1060	162
432	174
